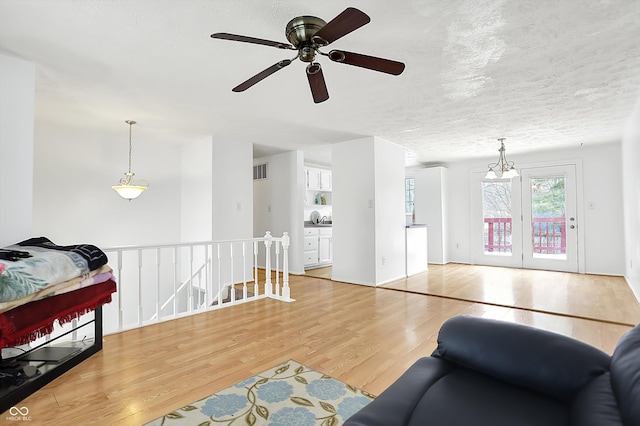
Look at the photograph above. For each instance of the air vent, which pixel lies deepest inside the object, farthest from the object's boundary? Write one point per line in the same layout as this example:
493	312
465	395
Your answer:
260	171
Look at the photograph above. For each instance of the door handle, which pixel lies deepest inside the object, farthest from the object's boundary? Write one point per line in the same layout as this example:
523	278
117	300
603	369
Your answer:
572	226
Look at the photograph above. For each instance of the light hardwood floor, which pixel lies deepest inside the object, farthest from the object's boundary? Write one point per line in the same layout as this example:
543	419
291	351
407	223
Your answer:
364	336
599	297
324	272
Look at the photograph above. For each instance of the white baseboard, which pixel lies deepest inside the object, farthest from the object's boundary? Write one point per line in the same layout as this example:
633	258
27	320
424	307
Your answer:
399	277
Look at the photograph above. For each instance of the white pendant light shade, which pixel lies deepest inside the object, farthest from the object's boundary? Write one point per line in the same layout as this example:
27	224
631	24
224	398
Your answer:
127	189
491	175
511	173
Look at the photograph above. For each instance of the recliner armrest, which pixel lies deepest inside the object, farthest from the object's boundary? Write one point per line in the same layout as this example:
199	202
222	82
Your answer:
395	406
540	360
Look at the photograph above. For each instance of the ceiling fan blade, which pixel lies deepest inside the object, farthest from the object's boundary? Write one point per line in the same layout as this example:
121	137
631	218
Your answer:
261	75
370	62
245	39
317	83
349	20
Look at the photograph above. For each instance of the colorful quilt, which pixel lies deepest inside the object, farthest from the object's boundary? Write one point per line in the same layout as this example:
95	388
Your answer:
102	274
41	264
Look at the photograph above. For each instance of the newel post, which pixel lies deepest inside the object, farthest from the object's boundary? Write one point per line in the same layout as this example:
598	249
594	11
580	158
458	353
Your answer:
286	292
268	287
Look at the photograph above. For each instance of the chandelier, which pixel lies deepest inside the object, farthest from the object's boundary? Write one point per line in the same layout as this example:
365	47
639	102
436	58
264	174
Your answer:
506	168
127	188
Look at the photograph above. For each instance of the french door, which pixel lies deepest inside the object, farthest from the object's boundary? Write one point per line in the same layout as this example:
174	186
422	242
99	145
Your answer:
549	217
529	221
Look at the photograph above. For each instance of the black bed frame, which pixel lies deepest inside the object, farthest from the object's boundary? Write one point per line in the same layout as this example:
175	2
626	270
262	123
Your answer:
12	395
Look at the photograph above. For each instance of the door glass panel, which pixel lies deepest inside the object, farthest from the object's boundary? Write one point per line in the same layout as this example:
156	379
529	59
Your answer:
496	207
548	217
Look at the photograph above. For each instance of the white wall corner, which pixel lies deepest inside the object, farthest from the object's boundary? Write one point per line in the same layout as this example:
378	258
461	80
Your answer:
630	157
17	106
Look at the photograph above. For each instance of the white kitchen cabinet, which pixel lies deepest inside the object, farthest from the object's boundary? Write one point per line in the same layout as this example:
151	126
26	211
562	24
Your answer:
318	179
318	247
310	247
325	246
325	180
313	179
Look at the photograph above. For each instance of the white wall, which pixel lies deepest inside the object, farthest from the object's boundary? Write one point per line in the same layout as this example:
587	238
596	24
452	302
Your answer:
278	202
368	211
604	230
16	149
73	199
232	201
353	212
232	190
631	195
602	186
389	211
430	208
196	191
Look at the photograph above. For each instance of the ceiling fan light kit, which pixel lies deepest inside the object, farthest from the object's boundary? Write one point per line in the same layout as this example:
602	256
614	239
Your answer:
307	34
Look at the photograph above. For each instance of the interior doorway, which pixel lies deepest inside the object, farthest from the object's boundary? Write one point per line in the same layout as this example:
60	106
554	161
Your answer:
530	221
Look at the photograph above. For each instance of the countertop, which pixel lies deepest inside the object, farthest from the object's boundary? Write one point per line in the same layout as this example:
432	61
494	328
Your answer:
416	225
308	224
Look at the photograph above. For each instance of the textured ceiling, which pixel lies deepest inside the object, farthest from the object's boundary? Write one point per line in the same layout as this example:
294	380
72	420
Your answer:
542	73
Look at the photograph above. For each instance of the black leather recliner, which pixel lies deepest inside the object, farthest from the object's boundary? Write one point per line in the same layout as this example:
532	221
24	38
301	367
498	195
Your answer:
488	372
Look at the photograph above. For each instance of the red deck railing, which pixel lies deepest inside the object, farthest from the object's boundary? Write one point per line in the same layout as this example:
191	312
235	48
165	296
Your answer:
498	237
548	234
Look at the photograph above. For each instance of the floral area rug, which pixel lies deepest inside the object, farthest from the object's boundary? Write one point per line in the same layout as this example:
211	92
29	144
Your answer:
289	394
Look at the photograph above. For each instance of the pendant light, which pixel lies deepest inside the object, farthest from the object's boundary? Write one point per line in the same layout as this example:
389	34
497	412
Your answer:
127	188
506	168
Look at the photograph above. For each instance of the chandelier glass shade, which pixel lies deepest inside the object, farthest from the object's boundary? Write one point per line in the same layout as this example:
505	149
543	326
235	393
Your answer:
127	187
502	169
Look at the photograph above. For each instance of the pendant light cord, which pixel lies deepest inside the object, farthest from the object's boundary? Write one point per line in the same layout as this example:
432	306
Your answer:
130	125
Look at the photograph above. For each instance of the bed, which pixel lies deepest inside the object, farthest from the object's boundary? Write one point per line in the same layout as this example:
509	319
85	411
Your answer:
42	284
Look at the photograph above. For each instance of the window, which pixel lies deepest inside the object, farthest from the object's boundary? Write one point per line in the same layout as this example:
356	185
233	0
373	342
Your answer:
409	195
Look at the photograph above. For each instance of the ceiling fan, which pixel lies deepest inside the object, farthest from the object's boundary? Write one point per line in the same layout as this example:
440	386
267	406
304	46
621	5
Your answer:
307	34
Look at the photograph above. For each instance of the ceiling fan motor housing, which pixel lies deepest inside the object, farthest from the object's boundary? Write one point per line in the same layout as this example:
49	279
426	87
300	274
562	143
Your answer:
300	30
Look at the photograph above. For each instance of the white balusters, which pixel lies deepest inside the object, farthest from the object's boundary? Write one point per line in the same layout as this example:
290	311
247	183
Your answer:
158	263
219	265
277	249
232	290
140	287
185	278
244	271
256	288
119	277
208	298
190	287
268	240
286	291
